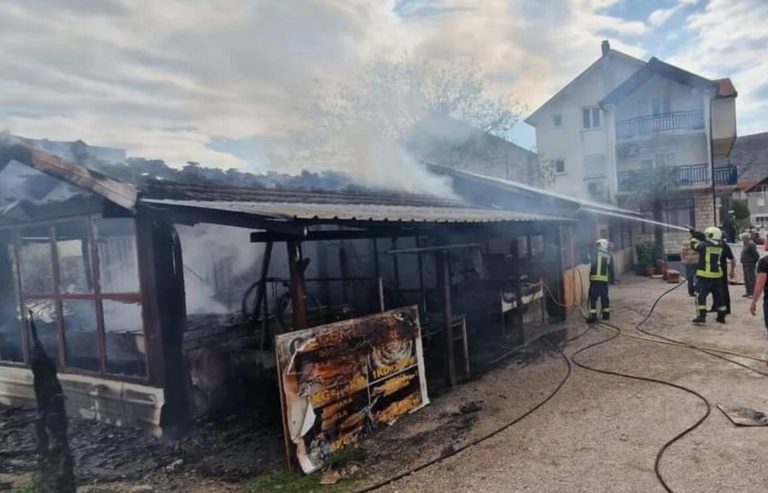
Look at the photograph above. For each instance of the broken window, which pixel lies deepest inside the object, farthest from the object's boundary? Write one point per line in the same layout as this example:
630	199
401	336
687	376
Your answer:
124	334
81	334
36	260
80	281
74	257
118	261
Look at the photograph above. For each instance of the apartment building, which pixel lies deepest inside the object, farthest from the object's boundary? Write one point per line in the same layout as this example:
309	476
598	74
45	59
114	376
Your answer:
622	118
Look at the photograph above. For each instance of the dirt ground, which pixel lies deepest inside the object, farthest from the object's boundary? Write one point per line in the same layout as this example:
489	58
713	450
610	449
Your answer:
599	434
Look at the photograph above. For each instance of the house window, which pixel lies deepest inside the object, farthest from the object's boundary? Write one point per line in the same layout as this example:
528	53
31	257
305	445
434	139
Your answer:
559	165
665	160
80	280
591	117
661	105
679	212
557	120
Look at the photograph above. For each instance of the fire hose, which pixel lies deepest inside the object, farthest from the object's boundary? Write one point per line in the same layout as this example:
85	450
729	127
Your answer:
618	331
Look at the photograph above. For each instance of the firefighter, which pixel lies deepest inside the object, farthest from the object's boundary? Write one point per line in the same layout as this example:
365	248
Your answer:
600	273
709	274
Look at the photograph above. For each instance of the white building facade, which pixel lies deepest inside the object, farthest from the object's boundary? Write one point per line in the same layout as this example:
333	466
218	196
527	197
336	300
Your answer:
622	118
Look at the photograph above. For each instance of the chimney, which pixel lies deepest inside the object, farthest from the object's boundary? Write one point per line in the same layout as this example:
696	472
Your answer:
606	47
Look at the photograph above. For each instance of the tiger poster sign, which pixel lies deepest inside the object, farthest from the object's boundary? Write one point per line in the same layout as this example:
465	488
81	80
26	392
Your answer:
344	379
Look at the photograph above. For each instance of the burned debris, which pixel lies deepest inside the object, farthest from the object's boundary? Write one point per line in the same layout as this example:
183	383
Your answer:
164	302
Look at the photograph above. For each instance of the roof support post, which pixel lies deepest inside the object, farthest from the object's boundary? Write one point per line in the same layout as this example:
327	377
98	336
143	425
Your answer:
298	292
444	278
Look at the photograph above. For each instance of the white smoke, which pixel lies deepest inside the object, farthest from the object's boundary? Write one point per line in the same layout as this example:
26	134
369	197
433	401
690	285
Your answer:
220	262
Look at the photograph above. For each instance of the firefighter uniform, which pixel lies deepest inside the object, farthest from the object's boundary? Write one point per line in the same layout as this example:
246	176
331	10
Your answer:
709	274
600	273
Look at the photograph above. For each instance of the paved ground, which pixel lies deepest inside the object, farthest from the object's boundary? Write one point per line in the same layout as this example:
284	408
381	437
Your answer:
601	433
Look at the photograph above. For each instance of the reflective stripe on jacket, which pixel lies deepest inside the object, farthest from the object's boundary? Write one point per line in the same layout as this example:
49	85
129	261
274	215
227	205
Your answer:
710	256
600	267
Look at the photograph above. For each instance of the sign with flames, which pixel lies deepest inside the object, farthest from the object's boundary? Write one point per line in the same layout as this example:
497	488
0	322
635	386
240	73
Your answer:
342	380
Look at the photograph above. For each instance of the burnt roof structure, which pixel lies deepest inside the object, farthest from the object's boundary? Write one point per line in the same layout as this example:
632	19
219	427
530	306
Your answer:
279	210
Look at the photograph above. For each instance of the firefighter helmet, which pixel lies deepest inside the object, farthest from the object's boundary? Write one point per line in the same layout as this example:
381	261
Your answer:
713	233
602	243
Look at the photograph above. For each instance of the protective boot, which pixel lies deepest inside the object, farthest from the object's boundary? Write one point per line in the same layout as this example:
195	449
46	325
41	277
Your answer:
592	319
606	316
721	317
701	319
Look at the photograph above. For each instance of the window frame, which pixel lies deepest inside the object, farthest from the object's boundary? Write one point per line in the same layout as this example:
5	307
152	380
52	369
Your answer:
557	161
557	118
659	101
97	295
591	113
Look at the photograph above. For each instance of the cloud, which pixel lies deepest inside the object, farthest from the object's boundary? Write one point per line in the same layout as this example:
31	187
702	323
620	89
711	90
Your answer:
194	79
728	39
660	17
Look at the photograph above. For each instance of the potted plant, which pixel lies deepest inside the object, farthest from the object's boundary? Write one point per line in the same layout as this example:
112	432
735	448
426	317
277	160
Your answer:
647	255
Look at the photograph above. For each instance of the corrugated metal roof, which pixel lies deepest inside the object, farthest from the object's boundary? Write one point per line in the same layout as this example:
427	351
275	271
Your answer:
289	211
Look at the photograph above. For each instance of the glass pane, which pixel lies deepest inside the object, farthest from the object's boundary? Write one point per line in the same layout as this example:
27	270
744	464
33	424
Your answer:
118	260
595	117
586	118
11	348
80	334
36	264
75	275
124	332
44	317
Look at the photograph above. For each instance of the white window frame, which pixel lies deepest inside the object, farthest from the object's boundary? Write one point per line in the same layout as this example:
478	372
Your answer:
561	160
661	103
594	114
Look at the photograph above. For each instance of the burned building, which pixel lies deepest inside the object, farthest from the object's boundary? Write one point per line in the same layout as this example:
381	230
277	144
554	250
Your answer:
161	302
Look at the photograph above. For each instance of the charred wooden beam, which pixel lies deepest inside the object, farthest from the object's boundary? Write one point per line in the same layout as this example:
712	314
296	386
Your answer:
122	194
433	249
261	237
444	279
190	215
56	466
298	291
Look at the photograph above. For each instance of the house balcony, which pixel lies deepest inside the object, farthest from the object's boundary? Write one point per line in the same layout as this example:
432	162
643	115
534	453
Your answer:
687	176
648	126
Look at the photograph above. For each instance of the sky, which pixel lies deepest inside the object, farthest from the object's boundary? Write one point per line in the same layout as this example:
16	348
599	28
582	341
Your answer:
214	81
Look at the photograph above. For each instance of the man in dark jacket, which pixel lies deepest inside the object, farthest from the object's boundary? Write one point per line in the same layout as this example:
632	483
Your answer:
749	258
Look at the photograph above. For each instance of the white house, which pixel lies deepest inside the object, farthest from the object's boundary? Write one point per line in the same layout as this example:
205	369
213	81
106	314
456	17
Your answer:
623	115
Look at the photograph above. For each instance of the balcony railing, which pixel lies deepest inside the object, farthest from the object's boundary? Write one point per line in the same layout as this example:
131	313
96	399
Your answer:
645	126
690	175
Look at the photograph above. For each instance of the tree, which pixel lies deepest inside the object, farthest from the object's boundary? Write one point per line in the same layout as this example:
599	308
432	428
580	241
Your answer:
654	185
361	125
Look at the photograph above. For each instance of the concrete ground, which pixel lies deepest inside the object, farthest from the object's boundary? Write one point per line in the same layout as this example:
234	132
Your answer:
601	433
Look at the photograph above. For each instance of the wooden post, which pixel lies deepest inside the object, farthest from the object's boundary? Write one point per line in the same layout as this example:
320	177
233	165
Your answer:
298	296
347	288
261	289
396	267
445	288
380	286
422	292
